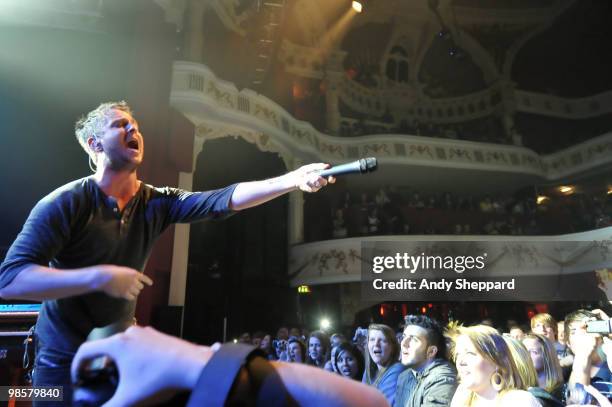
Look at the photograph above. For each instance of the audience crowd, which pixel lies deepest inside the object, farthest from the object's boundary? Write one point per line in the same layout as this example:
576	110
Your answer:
390	212
426	362
484	130
544	135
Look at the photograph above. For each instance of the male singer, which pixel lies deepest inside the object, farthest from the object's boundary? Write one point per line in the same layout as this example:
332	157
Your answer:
84	246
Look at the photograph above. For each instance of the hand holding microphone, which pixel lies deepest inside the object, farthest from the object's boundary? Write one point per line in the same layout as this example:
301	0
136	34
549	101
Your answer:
312	177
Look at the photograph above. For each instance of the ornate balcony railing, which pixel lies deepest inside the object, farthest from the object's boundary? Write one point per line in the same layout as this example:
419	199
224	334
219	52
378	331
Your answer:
216	105
340	260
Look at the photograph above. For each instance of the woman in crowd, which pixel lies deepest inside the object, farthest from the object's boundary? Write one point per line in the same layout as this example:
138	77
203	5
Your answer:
266	345
547	367
529	376
318	349
489	375
296	350
349	361
522	361
382	366
335	340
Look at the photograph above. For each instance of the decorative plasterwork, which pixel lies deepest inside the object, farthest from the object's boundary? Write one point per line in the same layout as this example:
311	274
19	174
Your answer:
479	54
208	130
204	98
549	105
340	261
405	102
495	40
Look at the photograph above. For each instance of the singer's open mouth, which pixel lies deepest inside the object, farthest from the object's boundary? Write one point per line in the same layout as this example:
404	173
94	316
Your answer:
132	144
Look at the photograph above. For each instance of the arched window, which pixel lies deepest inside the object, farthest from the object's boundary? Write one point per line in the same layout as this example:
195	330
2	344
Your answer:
397	65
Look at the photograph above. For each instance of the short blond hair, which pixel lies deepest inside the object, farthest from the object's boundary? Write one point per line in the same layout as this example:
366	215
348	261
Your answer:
92	123
545	319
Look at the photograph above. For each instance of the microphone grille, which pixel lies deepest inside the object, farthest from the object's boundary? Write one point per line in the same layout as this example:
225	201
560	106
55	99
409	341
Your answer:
368	164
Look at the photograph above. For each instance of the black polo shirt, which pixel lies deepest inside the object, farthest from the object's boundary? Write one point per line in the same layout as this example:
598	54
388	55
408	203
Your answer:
78	225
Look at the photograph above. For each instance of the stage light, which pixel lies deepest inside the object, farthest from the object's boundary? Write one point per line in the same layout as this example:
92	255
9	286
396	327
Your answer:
235	340
567	190
609	190
357	6
541	199
325	324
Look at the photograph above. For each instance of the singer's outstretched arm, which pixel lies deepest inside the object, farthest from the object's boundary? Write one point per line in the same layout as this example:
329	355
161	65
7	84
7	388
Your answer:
306	178
25	273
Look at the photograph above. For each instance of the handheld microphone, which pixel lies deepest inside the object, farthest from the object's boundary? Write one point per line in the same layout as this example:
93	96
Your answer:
361	166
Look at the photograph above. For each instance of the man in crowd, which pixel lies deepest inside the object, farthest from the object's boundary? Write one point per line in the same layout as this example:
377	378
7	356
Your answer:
544	324
589	366
430	380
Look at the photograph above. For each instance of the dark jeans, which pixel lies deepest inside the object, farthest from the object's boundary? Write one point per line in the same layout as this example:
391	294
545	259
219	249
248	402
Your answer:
52	368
